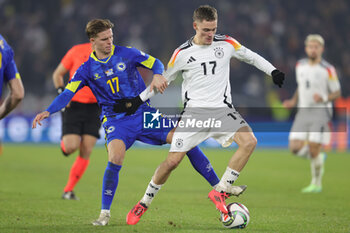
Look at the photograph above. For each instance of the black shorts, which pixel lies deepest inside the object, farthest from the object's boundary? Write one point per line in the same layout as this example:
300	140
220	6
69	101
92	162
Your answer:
81	119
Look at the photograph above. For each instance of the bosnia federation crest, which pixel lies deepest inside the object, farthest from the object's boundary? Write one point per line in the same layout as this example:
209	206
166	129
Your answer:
219	52
121	66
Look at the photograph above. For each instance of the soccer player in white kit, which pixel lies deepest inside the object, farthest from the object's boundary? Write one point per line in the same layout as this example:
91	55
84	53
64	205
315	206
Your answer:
318	86
204	62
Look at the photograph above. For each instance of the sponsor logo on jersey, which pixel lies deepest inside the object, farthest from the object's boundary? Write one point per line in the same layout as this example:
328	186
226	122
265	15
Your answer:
96	76
191	60
109	72
121	66
219	52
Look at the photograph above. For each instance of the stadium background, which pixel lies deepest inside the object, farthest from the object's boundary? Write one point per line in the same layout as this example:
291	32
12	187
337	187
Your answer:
33	170
41	32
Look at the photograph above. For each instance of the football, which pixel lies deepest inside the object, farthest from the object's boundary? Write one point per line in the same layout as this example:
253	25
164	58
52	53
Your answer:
237	217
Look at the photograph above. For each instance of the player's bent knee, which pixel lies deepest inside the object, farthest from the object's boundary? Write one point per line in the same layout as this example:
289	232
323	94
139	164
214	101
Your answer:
250	143
294	150
295	147
69	149
172	164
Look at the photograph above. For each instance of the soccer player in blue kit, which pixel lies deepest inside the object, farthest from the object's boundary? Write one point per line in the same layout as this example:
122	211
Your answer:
10	75
111	73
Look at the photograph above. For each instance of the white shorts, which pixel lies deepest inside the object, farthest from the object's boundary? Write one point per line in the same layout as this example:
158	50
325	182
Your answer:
311	125
200	124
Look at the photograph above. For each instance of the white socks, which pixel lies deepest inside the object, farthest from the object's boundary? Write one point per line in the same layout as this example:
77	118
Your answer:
105	211
317	169
227	180
150	193
304	152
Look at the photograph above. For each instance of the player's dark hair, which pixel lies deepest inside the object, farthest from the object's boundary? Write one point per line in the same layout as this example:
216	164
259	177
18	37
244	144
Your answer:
205	12
95	26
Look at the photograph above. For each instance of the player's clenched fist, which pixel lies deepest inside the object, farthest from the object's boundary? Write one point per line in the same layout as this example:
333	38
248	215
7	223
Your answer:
277	77
39	118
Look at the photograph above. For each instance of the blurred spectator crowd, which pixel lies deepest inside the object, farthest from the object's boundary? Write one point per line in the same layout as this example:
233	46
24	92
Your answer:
41	32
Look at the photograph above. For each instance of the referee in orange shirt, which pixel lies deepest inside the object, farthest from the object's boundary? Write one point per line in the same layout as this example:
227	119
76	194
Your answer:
80	119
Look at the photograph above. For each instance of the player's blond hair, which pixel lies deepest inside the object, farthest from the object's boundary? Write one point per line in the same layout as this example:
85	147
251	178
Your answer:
314	37
205	12
95	26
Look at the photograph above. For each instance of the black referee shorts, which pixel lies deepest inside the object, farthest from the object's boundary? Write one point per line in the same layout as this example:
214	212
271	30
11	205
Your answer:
81	119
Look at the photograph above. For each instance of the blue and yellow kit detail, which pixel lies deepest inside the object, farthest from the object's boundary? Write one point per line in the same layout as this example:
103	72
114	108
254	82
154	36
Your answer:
111	79
8	68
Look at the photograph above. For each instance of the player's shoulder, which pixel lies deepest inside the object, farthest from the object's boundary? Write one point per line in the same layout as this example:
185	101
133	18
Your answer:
301	62
2	43
219	38
179	51
4	46
188	44
326	64
185	46
127	51
88	64
332	74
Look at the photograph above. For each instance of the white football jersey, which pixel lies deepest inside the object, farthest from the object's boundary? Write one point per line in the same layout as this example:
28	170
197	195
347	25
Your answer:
320	78
206	69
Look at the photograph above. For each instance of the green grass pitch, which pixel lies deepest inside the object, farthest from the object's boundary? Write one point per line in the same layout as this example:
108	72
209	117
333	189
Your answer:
32	179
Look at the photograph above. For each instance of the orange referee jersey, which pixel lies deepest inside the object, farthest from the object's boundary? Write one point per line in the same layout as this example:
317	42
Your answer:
73	59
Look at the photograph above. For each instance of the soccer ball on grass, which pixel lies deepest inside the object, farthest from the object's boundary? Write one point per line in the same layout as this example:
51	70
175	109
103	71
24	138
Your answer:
237	217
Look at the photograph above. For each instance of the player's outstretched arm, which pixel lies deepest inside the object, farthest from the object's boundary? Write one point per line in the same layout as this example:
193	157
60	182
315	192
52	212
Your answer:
250	57
291	103
14	98
41	116
130	106
57	104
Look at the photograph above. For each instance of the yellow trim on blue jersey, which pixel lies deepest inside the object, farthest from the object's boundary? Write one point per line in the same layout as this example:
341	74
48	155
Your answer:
96	59
18	76
149	62
73	86
104	119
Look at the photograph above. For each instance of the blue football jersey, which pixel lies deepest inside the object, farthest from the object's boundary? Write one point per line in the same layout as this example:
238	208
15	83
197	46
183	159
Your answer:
8	68
113	78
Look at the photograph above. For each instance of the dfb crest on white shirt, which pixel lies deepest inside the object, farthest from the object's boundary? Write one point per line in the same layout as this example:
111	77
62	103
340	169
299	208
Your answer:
219	52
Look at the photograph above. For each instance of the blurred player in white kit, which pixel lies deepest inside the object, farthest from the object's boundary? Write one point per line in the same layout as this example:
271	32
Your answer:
318	86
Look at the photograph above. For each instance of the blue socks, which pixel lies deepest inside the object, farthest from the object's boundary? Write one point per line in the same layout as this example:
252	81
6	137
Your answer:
111	177
110	184
202	165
